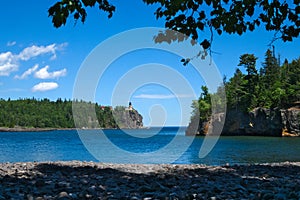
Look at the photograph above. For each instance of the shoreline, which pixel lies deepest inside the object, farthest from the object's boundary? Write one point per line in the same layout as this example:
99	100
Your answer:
94	180
24	129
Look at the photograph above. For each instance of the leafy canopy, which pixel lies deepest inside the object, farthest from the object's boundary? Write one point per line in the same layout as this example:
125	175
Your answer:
192	16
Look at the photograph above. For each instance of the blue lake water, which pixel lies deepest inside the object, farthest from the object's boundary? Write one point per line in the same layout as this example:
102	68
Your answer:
65	145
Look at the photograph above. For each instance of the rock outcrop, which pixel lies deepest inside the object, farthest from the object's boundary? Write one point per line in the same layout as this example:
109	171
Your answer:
129	119
258	122
291	121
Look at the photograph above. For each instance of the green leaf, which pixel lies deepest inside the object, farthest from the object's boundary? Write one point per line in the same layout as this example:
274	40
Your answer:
205	44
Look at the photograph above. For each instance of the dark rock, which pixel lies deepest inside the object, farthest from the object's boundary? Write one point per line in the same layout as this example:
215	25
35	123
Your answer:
145	189
258	122
293	195
267	196
280	196
39	183
264	122
291	121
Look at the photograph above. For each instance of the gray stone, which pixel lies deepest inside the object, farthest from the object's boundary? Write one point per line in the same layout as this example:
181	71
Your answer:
147	198
73	196
92	189
63	196
29	197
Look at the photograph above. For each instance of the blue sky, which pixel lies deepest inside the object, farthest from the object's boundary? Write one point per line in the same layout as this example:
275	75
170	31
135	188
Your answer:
38	60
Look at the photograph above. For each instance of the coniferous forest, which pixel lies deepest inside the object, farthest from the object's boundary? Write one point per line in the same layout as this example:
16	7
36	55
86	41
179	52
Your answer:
275	84
33	113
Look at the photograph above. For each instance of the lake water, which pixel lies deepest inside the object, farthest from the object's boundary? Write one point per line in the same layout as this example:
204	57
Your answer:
67	145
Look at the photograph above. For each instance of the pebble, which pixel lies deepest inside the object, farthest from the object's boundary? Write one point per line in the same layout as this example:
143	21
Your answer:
280	196
63	196
267	196
88	180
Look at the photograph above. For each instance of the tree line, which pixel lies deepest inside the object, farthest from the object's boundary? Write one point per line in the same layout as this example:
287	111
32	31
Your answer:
34	113
274	85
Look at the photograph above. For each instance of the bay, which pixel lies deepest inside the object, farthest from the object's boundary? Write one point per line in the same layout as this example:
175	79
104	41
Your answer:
66	145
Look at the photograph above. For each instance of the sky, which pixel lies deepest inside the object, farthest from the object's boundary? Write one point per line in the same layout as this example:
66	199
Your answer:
40	61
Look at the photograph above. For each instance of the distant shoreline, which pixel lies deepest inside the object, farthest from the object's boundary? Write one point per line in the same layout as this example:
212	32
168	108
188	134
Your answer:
24	129
32	129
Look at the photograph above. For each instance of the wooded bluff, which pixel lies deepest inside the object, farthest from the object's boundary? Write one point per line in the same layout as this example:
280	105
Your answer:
259	102
33	113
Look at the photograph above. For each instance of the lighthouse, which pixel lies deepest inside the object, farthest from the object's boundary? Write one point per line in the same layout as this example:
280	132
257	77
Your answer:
130	106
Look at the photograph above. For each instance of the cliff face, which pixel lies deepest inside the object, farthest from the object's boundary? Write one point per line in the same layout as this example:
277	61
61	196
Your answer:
129	119
291	122
260	121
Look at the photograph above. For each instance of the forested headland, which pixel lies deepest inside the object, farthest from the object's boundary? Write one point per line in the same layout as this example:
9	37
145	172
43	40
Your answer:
35	113
267	96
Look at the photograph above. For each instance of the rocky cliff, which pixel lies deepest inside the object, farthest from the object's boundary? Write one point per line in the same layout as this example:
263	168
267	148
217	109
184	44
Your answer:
291	121
129	119
259	122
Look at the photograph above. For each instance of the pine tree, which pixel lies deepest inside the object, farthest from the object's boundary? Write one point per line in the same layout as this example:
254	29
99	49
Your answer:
249	62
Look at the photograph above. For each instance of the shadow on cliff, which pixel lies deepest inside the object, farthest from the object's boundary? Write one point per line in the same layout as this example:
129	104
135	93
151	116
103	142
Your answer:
91	182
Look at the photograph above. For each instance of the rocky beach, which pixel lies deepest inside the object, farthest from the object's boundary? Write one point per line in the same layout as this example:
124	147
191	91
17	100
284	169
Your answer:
92	180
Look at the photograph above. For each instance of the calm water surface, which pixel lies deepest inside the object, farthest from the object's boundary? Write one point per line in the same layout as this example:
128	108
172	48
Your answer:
66	145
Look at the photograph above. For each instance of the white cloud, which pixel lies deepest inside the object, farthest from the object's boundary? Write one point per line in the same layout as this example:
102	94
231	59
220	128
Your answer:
11	43
44	74
6	57
34	51
27	72
44	86
9	62
161	96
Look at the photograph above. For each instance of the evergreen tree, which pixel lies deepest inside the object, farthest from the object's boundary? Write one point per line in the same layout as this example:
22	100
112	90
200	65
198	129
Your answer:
249	62
235	90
